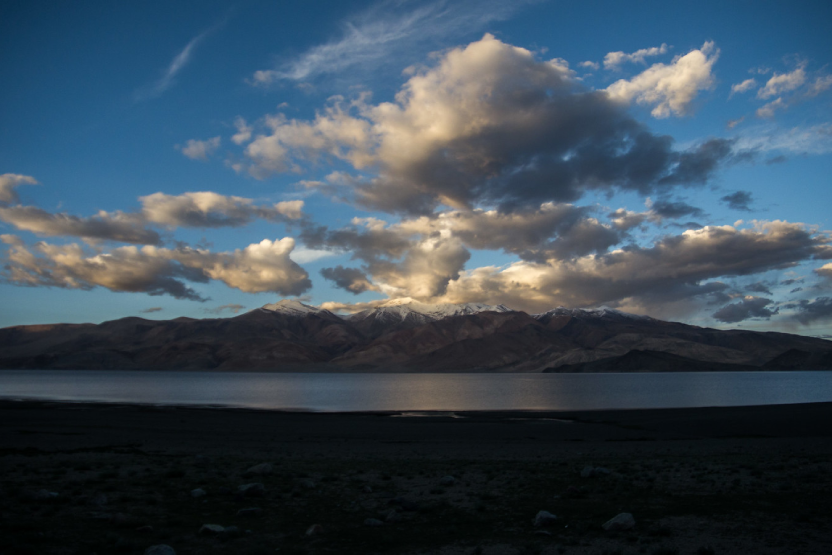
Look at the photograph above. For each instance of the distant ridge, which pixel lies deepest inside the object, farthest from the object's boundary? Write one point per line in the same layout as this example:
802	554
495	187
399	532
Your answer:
409	336
293	308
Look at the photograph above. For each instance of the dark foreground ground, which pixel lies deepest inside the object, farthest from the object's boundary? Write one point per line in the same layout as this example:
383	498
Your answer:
697	481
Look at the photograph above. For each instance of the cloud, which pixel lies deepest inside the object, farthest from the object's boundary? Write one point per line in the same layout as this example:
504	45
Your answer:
625	220
614	60
745	86
670	88
748	307
208	209
260	267
177	64
739	200
151	310
200	150
825	271
9	182
816	139
759	287
590	65
642	278
488	124
734	122
390	251
385	33
128	269
550	230
767	111
349	279
233	308
819	309
820	85
117	226
667	209
243	134
783	82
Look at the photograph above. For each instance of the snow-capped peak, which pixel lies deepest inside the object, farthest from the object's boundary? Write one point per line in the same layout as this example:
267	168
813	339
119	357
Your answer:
404	307
292	307
600	312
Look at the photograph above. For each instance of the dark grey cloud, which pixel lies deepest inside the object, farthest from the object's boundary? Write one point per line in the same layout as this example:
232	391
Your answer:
819	309
776	160
232	308
118	226
364	243
740	200
349	279
669	209
759	287
749	307
151	310
791	281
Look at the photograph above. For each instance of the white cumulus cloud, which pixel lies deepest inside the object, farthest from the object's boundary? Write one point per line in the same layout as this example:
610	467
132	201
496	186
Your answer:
200	150
670	88
614	60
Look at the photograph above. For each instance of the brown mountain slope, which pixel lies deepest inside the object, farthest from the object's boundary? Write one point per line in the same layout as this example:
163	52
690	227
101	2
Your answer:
295	337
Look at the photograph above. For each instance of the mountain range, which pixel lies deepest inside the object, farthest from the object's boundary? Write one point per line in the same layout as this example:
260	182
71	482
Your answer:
409	336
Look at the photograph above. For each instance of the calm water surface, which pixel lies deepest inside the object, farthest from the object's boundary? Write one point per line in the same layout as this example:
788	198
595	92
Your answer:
420	392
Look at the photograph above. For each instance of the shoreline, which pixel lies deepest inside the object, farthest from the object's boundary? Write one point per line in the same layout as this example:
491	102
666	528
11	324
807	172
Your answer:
741	480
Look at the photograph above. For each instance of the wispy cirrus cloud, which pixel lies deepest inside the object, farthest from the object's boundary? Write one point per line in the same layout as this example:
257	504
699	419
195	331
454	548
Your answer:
176	65
384	32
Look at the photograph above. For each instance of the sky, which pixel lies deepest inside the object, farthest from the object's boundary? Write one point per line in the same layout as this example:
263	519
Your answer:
200	159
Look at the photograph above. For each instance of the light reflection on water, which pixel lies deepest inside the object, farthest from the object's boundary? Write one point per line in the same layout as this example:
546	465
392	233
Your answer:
420	392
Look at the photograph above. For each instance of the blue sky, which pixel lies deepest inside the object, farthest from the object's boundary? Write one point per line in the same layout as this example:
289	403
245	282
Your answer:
200	158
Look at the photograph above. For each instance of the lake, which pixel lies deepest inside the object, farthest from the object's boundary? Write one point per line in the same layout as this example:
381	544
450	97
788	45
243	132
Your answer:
419	392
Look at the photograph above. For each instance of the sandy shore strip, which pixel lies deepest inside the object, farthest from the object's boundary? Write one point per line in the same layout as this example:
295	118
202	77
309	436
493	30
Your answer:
126	477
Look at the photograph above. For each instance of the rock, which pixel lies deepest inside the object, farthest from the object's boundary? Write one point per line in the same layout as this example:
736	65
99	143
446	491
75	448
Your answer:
44	495
252	490
201	461
222	490
544	518
231	532
100	500
393	516
259	469
447	481
622	521
211	530
594	471
160	549
307	483
147	529
125	520
367	489
574	492
250	512
373	522
198	492
404	503
315	530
